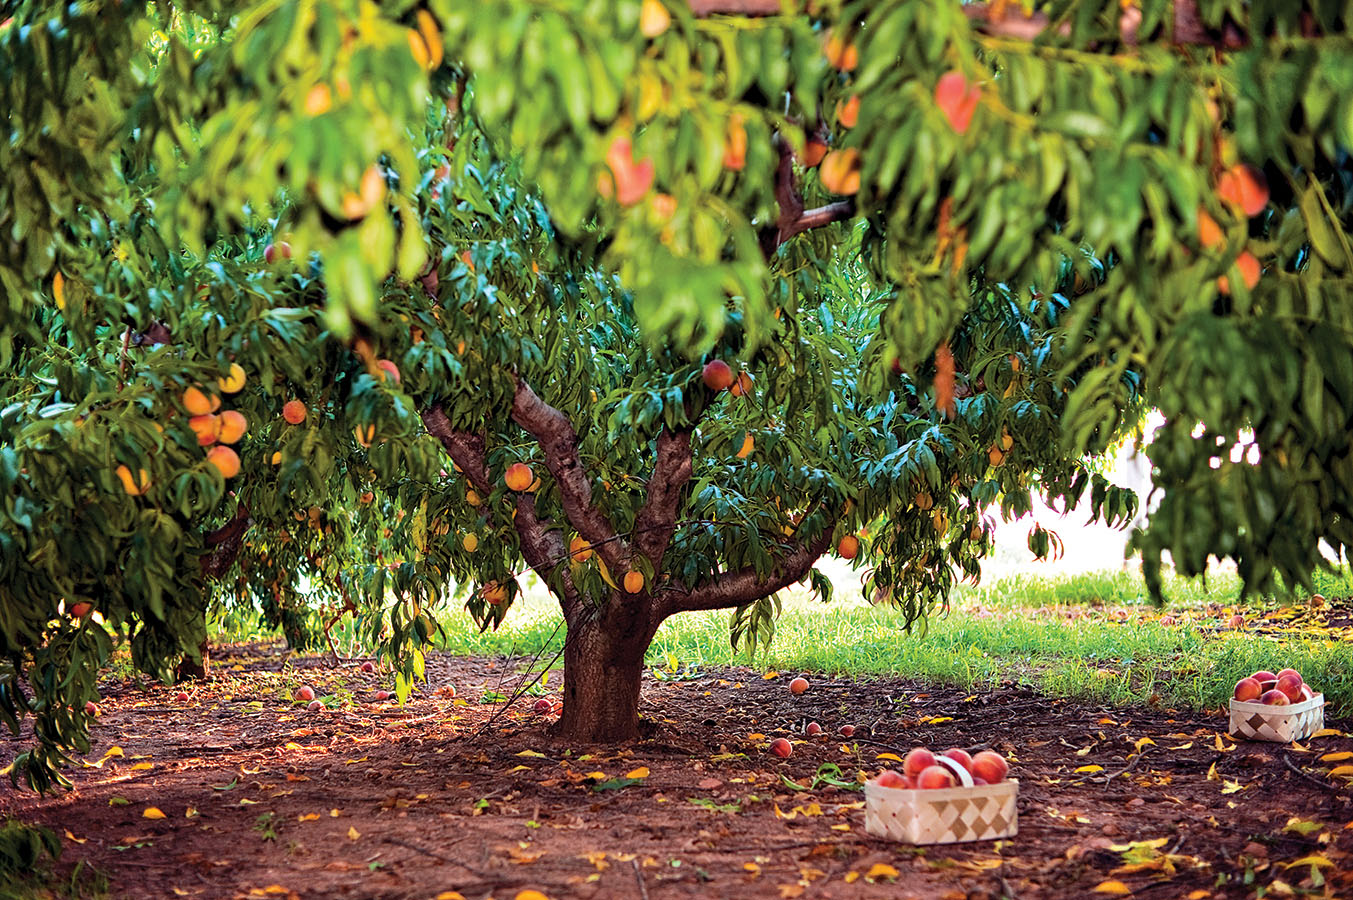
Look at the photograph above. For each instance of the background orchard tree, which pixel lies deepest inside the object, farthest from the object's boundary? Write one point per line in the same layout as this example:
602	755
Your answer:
956	247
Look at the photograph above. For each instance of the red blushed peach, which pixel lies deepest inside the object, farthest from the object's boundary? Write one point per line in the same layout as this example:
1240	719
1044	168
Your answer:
1264	675
890	779
1307	693
315	706
1293	672
91	708
1275	697
181	697
380	696
960	756
813	729
917	760
990	766
781	748
717	375
846	731
798	685
1248	690
934	778
542	707
1236	621
1290	684
306	693
977	779
368	667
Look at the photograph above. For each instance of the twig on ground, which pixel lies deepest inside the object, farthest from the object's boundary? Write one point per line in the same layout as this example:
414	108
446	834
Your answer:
639	877
1287	761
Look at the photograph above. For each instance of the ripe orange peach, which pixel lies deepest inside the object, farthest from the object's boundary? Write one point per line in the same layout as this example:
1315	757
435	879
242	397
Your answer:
232	426
890	779
990	766
1248	690
781	748
1209	232
233	382
518	477
494	593
841	55
91	708
1275	697
1292	672
798	685
80	610
207	428
579	550
389	369
959	756
654	18
717	375
935	778
917	760
365	434
742	387
840	171
1264	675
634	582
136	487
1250	271
196	402
1290	684
813	151
957	99
306	693
848	112
748	444
848	547
1244	187
294	412
226	460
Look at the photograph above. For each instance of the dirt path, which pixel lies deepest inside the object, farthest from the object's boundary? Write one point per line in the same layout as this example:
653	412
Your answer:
374	800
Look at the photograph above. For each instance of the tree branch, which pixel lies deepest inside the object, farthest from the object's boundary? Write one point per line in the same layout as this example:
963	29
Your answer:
225	543
559	443
733	589
657	519
702	9
542	547
793	218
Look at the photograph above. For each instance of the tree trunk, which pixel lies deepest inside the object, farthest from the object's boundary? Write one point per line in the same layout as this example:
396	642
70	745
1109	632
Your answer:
603	666
190	668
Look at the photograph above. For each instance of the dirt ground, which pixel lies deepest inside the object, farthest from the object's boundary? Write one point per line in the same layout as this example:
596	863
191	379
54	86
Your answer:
242	792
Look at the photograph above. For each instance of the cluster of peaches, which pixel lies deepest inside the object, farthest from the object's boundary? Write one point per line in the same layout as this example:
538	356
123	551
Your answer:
1282	689
922	770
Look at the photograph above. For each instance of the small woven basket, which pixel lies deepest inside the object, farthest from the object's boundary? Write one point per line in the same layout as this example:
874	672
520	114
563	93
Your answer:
1281	724
971	812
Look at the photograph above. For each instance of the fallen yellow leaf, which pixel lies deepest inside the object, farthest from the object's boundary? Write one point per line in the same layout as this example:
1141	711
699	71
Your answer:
1091	768
880	870
532	753
308	817
141	767
852	877
1199	895
1336	757
74	838
152	813
752	867
1315	859
1112	887
353	833
449	895
1342	771
890	756
530	894
641	772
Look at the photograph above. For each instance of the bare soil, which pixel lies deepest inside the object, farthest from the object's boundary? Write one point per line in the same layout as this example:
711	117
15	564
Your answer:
450	793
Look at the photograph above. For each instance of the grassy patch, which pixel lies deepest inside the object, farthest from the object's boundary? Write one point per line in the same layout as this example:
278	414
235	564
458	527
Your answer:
998	634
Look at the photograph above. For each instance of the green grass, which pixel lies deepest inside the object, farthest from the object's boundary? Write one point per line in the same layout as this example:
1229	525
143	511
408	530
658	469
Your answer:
1193	665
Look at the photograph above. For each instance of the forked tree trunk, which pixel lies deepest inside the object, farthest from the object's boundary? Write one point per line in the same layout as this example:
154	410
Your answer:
603	667
190	668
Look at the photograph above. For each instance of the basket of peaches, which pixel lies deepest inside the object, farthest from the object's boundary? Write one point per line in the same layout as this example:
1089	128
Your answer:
1281	707
943	799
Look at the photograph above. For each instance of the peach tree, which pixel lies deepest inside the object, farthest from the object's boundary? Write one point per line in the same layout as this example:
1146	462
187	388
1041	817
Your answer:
315	308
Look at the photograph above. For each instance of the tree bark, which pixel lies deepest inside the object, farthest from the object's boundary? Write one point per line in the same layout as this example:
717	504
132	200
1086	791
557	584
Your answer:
603	667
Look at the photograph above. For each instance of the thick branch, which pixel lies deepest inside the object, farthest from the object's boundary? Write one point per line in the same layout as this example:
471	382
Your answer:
1007	19
225	543
793	218
657	519
542	547
559	443
733	589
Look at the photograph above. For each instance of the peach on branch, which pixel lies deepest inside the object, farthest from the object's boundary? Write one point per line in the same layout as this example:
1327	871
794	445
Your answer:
717	375
294	412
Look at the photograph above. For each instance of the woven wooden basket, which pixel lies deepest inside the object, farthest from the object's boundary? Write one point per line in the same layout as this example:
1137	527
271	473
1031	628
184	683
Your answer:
971	812
1282	724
